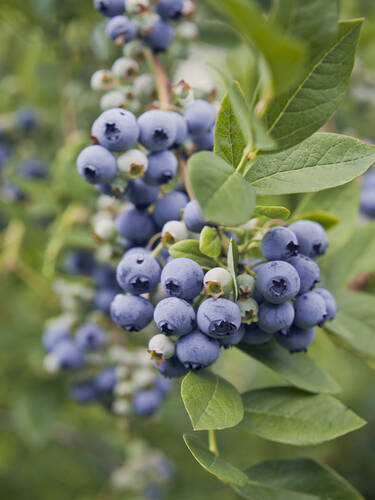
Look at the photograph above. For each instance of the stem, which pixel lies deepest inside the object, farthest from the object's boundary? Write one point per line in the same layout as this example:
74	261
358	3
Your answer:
162	81
184	175
212	443
157	249
244	160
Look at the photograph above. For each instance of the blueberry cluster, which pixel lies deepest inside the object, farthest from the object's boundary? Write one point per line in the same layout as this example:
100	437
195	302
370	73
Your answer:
289	304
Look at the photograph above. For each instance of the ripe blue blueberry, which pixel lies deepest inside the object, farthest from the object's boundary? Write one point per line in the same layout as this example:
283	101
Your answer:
26	119
205	142
159	36
234	339
146	402
367	202
308	272
90	336
115	129
255	336
174	316
33	169
195	350
311	236
182	278
169	207
110	8
53	336
105	380
131	312
193	217
138	273
79	262
83	392
104	276
199	116
171	368
170	9
275	317
279	243
157	130
68	355
96	165
135	225
310	310
277	281
181	128
121	29
297	339
141	194
103	299
331	306
219	318
162	167
163	385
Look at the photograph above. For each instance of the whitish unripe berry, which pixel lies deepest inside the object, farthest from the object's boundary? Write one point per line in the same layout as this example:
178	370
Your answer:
132	164
174	231
161	347
218	281
102	80
113	99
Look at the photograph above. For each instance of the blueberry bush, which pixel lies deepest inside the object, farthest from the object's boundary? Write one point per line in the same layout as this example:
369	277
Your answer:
209	234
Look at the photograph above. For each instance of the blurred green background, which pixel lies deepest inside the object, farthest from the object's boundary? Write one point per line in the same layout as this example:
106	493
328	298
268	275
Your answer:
50	448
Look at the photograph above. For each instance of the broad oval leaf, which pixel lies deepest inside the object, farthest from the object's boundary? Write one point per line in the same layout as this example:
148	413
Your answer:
288	415
190	250
272	212
296	479
211	401
209	242
323	161
297	114
217	466
223	194
298	369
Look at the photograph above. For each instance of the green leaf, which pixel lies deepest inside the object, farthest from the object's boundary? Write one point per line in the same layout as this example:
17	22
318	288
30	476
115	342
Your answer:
223	194
217	466
341	202
296	479
323	161
209	242
190	250
279	51
341	266
233	263
355	321
325	219
211	401
298	369
288	415
297	114
272	212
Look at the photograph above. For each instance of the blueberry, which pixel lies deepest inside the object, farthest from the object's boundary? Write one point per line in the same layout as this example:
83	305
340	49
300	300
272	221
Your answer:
275	317
174	316
158	130
121	29
68	355
83	392
368	180
131	312
169	207
219	318
171	368
182	278
218	281
193	217
205	142
246	285
79	262
4	154
331	306
96	165
255	336
308	272
104	276
195	350
135	225
141	194
163	386
146	402
311	236
106	380
159	36
26	119
53	335
90	336
367	202
181	127
310	310
103	299
199	116
116	129
249	310
234	339
138	273
33	169
297	339
277	281
162	167
170	9
110	8
279	243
